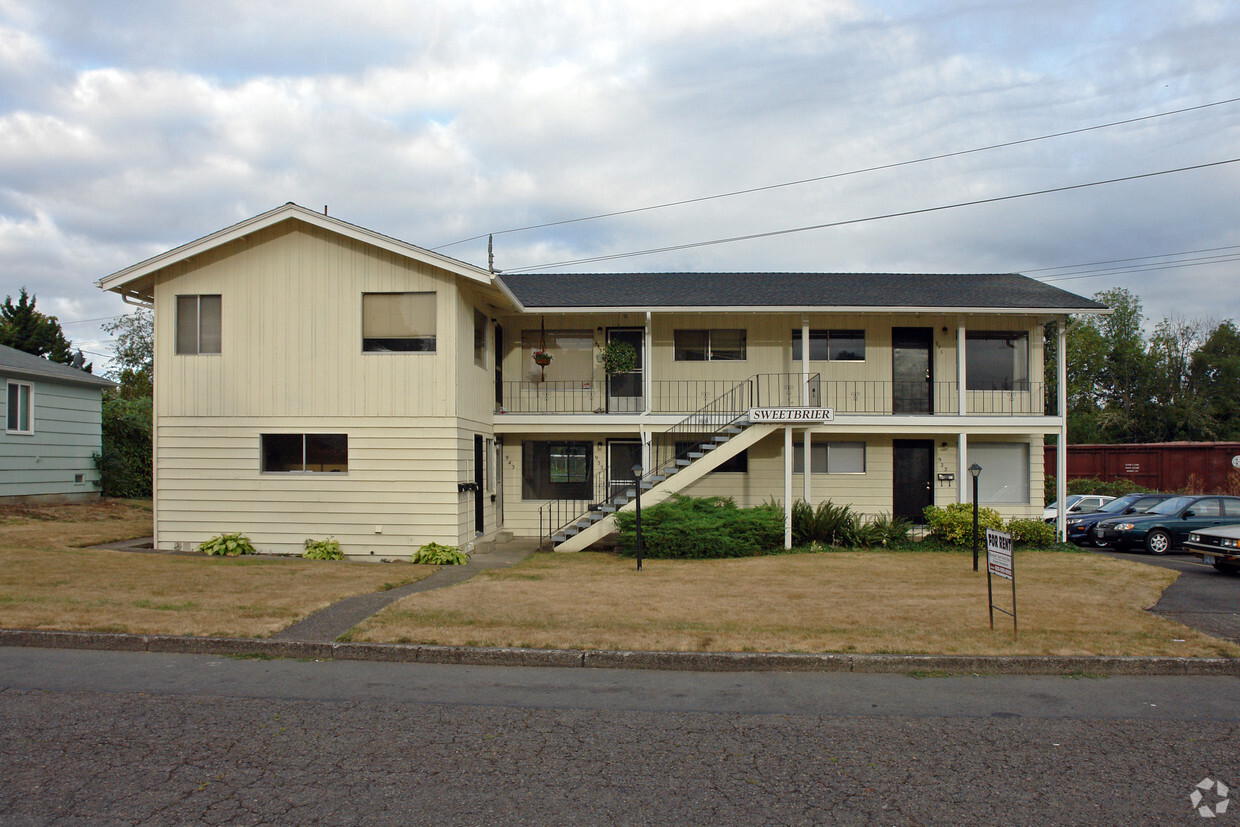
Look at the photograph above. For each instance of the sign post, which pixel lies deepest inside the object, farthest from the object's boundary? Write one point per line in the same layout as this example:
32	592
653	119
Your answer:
999	564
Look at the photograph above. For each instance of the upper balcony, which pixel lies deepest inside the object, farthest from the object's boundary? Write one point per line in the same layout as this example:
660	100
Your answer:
847	397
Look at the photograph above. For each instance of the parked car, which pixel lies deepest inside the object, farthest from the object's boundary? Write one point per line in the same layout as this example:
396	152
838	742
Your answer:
1220	547
1167	525
1080	525
1077	504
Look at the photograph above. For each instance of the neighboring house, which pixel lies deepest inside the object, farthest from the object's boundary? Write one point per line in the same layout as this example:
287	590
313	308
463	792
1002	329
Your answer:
317	379
52	430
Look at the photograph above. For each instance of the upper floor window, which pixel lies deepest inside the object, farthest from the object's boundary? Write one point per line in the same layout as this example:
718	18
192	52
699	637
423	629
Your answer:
198	324
305	453
480	338
831	345
398	322
20	418
725	345
997	360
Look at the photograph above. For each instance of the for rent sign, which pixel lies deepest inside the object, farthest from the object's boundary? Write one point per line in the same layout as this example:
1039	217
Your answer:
791	415
999	553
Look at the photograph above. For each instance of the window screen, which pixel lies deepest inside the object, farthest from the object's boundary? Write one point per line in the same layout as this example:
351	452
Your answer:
1005	472
398	322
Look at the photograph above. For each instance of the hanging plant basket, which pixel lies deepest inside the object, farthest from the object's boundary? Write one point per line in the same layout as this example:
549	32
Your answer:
618	357
542	358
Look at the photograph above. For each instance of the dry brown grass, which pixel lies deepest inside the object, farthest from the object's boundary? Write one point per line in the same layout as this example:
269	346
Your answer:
911	602
48	580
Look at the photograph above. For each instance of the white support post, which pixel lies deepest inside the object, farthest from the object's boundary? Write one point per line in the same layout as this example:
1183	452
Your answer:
788	486
962	405
1061	448
963	492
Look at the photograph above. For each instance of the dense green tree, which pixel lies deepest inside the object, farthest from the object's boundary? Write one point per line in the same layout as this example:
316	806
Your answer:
23	327
1214	376
133	366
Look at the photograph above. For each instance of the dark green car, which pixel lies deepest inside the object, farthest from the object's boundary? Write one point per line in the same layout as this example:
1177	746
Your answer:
1166	525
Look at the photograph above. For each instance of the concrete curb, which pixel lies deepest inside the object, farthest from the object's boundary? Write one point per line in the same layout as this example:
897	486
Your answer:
606	659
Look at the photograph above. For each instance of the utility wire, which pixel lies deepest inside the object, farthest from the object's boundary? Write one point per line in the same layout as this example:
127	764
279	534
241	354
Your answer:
894	165
903	213
1148	268
1135	258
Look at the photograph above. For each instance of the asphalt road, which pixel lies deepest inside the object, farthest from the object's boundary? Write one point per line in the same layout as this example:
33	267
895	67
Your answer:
139	738
1201	597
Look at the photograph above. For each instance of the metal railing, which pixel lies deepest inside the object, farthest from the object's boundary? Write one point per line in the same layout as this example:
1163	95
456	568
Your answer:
883	398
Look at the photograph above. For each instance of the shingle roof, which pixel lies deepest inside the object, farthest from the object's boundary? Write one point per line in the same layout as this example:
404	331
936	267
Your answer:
999	291
15	362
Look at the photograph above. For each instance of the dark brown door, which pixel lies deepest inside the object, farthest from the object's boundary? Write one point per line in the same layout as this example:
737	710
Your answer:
912	478
911	363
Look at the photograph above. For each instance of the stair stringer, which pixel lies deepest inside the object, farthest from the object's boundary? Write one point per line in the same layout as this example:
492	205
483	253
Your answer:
690	474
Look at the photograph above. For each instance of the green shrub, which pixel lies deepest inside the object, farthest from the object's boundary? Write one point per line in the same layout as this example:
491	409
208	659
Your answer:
886	530
702	527
828	524
433	554
124	461
953	524
1031	533
228	545
328	549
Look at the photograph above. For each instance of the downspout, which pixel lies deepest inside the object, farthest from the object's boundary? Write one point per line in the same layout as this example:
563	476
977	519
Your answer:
1061	454
645	436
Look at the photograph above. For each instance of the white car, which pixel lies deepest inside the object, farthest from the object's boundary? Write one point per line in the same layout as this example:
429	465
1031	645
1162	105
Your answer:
1077	504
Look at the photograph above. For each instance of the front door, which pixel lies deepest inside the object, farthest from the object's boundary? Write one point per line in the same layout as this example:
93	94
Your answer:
479	482
912	478
622	455
624	390
911	349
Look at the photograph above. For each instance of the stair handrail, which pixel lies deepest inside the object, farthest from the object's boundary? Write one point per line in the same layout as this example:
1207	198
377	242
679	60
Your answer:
723	412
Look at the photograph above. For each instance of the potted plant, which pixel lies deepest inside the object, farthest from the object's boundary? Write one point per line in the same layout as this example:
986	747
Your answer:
618	357
542	358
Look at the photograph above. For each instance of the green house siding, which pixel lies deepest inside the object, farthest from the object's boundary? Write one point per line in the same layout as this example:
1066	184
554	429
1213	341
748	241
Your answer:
66	434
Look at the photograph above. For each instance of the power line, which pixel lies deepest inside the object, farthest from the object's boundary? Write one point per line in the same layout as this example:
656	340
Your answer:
1135	258
830	176
901	214
1148	268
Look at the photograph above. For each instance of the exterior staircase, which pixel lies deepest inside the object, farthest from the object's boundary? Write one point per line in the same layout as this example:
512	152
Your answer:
716	433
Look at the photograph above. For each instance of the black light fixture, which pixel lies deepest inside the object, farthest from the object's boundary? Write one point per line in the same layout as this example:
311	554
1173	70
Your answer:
637	527
976	471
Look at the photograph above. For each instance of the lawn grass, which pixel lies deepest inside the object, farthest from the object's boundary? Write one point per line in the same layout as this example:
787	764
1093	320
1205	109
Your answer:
857	601
49	580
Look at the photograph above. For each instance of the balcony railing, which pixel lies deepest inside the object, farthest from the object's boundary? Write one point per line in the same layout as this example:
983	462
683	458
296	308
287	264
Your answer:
874	398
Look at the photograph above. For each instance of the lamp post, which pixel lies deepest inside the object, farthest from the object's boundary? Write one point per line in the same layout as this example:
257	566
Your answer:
976	471
637	487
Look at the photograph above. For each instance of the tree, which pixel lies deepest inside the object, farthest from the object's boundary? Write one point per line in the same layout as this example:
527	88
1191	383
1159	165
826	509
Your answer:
25	328
133	366
1214	376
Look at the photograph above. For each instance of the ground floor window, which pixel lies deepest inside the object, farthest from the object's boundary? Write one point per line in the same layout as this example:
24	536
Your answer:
1005	471
830	457
305	453
20	419
556	470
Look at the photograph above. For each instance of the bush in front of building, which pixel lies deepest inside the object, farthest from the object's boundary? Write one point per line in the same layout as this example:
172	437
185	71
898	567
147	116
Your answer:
691	528
1031	533
328	549
228	545
827	524
953	524
433	554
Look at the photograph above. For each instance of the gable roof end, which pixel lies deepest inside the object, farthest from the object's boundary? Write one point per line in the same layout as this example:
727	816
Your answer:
19	364
136	281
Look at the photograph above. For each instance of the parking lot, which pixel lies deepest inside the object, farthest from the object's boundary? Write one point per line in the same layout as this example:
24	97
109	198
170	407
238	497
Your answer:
1205	599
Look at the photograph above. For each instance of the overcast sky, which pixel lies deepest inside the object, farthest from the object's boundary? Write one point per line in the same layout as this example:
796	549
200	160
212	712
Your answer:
129	128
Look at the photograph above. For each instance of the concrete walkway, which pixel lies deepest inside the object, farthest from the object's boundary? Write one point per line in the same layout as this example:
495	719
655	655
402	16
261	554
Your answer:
325	625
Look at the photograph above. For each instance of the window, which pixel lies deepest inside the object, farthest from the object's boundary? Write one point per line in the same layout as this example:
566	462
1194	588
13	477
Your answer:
829	457
738	464
1005	472
398	322
709	345
198	324
997	360
480	339
571	351
556	470
305	453
20	418
831	345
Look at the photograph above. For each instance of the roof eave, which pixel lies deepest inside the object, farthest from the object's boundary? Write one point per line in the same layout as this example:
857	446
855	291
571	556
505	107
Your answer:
817	308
